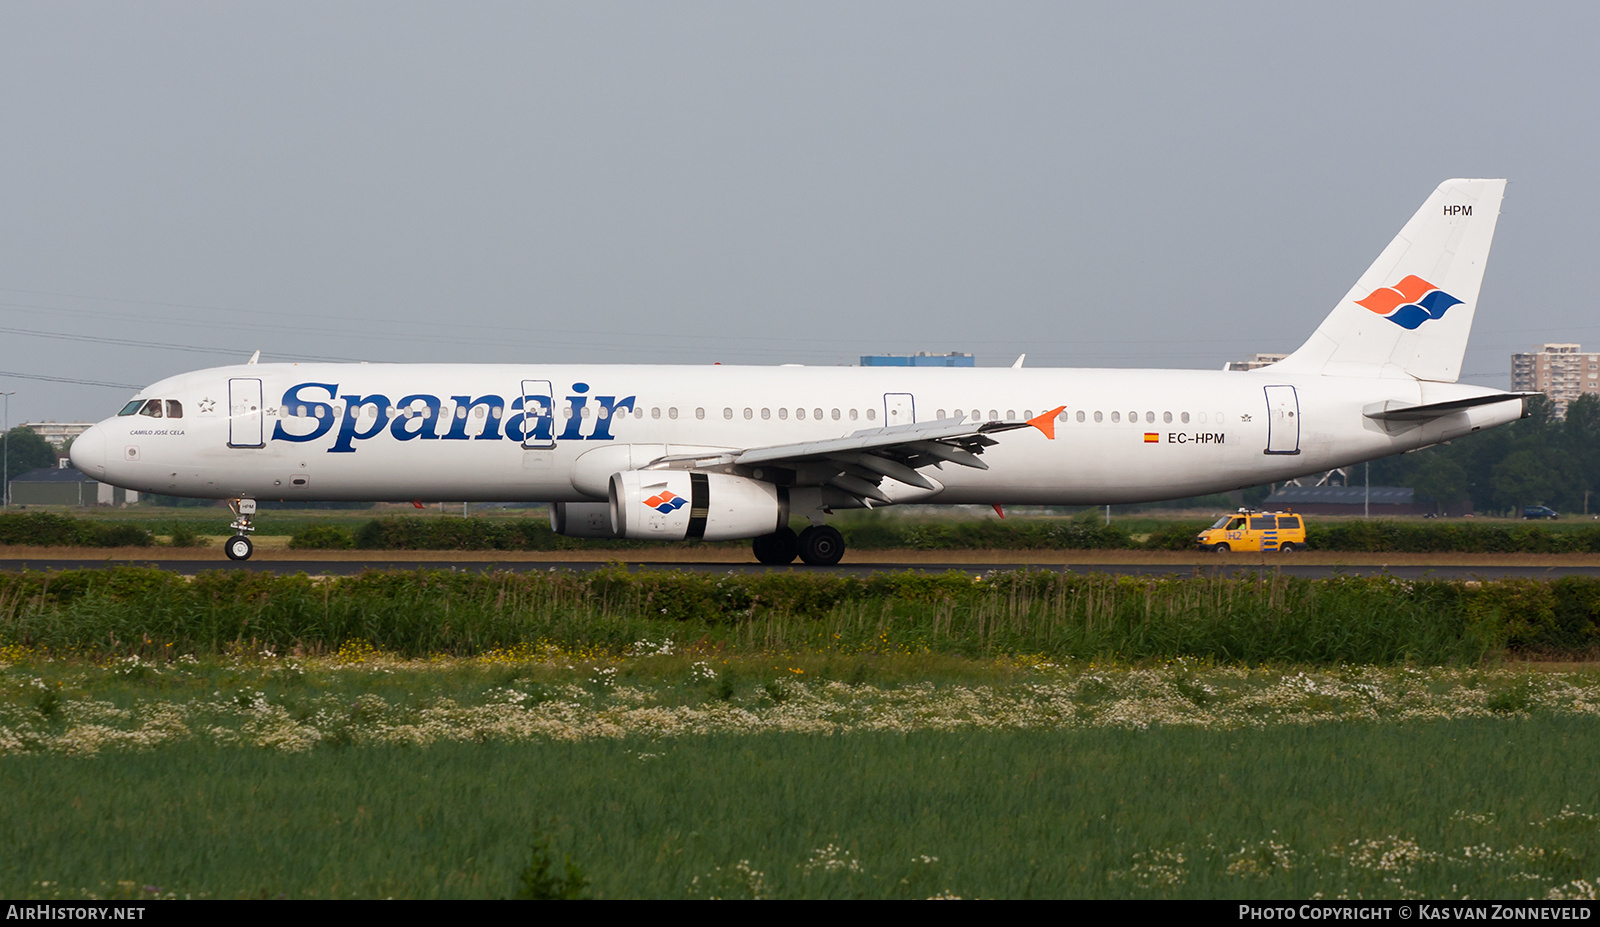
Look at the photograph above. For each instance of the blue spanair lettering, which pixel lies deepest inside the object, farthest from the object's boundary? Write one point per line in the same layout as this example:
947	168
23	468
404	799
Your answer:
427	422
514	422
609	407
408	414
293	399
574	429
491	424
352	413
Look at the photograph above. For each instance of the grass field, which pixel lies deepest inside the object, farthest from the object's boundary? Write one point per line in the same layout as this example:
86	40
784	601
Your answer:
668	774
617	734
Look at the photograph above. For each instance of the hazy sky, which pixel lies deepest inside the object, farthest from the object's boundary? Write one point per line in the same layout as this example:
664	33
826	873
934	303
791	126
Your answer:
1117	184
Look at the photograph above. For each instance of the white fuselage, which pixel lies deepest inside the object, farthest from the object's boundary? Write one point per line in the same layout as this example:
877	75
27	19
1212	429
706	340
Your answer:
340	432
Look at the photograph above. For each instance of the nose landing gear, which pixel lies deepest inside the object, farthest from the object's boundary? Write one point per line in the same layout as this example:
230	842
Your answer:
239	547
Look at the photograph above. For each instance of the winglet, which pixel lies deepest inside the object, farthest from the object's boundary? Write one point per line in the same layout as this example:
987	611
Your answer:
1047	422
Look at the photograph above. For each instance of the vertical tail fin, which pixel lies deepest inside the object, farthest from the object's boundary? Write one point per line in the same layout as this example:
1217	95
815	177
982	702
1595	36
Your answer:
1410	314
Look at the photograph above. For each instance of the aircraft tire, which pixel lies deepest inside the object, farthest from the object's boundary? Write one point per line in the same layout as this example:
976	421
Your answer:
238	547
778	548
1220	549
821	545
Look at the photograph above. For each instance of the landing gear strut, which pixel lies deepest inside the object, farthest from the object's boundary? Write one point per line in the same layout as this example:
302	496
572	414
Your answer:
821	545
778	548
239	547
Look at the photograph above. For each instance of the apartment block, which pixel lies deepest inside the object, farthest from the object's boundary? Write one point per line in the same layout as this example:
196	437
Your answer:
1561	371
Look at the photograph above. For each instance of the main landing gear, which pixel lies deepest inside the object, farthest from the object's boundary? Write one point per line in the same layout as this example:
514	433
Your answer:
239	547
818	545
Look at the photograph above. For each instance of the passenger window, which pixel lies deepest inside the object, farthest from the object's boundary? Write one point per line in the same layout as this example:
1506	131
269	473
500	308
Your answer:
1063	416
1150	418
783	415
495	412
994	416
1289	524
1011	413
300	411
977	416
1166	417
602	412
1133	416
941	413
816	414
766	414
1261	523
174	409
872	414
1202	418
699	413
749	414
672	412
836	415
1184	418
639	412
1115	416
1027	413
852	415
1081	416
1098	417
800	414
131	407
655	412
584	412
1219	418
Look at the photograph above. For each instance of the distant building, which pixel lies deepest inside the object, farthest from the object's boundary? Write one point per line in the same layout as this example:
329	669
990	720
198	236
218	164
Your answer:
66	486
58	433
919	359
1259	360
1561	371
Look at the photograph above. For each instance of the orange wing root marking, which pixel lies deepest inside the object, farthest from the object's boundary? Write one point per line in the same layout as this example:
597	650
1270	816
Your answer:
997	509
1047	422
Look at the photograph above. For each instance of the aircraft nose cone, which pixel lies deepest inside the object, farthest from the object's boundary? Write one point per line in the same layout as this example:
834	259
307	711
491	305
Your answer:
89	451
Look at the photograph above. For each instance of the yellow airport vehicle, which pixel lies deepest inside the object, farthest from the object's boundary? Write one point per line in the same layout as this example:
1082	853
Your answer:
1246	530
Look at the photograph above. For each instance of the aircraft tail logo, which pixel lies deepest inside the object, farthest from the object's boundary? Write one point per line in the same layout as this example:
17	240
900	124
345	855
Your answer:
1409	303
666	502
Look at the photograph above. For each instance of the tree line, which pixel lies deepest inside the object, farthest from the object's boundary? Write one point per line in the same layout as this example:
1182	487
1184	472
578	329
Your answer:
1541	460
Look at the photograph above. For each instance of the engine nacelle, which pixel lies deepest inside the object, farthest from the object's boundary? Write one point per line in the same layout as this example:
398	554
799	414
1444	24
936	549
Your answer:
683	504
581	519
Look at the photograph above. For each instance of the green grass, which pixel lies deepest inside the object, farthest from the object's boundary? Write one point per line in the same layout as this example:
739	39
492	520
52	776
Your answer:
671	774
1281	813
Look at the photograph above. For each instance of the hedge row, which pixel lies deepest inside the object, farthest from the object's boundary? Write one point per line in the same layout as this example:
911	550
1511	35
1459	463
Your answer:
44	529
400	533
1349	619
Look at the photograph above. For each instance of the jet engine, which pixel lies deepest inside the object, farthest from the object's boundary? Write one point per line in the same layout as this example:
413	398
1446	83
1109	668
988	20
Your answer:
684	504
581	519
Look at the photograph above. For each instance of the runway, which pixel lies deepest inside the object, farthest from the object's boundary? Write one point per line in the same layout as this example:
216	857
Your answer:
1398	566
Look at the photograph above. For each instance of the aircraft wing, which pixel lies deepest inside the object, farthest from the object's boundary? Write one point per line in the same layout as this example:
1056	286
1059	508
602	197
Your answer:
858	463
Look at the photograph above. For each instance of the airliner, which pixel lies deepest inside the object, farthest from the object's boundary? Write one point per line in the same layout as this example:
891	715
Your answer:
730	452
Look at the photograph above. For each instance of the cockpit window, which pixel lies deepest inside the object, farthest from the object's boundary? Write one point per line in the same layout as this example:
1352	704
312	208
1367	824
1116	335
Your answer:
131	407
152	408
174	409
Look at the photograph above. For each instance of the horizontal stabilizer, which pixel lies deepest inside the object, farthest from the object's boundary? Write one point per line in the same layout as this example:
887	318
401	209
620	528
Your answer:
1434	410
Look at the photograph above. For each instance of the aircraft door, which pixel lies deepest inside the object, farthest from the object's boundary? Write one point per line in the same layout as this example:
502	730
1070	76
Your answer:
1283	420
246	424
538	414
899	409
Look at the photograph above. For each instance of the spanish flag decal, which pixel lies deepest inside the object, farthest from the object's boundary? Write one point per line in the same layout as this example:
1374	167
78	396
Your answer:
1151	437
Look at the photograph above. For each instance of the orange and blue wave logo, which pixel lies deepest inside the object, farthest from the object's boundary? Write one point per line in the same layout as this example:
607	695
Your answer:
666	502
1410	302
